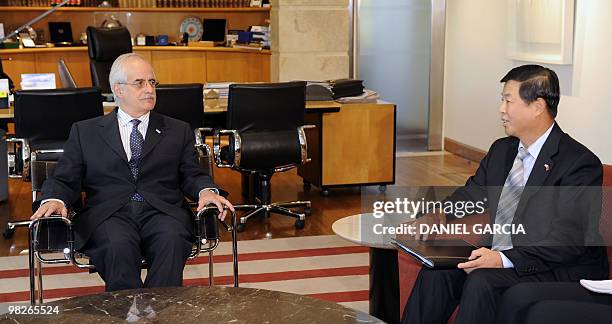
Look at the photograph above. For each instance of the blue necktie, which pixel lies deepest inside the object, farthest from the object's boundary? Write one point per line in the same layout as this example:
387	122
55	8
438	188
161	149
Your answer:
136	143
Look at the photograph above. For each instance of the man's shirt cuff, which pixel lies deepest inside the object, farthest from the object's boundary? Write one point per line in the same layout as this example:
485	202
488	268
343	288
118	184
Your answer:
213	190
52	199
505	261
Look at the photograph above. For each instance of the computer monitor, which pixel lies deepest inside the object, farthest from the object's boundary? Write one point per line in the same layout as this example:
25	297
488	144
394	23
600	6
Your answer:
65	76
214	30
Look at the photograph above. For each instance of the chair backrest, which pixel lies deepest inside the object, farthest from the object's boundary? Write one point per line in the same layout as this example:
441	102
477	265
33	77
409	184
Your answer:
42	115
182	101
104	46
266	106
605	222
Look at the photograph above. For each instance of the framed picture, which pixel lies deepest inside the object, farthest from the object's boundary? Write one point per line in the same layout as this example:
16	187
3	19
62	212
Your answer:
541	30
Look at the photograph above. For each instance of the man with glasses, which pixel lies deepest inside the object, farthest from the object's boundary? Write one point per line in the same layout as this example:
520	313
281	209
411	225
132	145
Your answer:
135	167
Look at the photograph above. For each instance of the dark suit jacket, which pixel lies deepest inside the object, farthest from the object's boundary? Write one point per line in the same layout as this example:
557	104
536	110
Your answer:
559	207
95	162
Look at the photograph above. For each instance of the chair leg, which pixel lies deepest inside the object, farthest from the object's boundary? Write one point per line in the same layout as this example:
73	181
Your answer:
291	204
31	268
254	212
235	249
40	282
211	275
287	212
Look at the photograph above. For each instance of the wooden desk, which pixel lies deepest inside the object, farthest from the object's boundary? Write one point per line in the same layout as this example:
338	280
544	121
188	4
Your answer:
210	106
355	146
352	144
220	105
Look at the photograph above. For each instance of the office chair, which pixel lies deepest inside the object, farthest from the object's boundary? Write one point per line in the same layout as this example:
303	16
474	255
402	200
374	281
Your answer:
104	46
43	119
186	102
266	135
55	234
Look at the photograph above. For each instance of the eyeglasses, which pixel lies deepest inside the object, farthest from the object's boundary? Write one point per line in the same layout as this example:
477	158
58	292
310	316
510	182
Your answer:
140	83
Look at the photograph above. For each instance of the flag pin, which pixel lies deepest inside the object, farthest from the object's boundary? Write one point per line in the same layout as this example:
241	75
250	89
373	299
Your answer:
547	167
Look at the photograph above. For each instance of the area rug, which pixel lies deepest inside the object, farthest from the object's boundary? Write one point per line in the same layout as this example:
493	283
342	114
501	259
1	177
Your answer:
324	267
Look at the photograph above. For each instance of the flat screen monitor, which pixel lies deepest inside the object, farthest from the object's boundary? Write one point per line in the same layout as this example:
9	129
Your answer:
214	30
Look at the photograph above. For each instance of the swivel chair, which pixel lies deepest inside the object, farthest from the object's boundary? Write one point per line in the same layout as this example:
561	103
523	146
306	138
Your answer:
266	135
186	102
104	46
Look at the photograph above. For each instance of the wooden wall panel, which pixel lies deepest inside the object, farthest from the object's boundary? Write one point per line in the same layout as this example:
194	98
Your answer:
16	64
179	67
77	62
237	67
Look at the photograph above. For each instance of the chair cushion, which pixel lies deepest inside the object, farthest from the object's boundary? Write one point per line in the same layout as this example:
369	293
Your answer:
269	150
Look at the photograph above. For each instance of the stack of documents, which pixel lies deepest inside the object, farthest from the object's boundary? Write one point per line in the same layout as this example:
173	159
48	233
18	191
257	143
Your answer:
216	90
368	96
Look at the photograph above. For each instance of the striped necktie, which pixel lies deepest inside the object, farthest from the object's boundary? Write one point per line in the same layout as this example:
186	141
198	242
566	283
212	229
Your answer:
508	201
136	143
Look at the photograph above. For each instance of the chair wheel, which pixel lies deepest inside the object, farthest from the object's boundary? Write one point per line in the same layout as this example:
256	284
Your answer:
307	186
325	192
299	224
240	227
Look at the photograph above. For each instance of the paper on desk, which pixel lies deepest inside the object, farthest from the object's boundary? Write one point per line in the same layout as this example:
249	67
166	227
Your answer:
598	286
368	96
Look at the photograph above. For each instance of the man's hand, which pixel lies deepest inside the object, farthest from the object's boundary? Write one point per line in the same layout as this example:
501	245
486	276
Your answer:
50	208
482	258
429	219
209	197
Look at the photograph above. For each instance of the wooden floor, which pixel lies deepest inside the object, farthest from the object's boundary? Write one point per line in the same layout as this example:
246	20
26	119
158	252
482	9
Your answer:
438	170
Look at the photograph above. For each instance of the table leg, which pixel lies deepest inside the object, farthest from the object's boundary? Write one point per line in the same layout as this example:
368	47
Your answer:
384	285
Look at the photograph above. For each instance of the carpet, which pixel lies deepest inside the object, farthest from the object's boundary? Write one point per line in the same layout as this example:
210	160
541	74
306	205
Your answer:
325	267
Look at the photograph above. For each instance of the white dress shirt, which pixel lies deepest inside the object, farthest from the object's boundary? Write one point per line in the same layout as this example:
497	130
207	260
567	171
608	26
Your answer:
532	155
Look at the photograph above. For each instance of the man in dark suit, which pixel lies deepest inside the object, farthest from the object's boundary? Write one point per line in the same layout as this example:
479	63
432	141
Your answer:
554	302
136	167
538	177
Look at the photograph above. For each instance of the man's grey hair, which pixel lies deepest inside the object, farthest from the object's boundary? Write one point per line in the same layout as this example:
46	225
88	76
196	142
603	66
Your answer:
118	72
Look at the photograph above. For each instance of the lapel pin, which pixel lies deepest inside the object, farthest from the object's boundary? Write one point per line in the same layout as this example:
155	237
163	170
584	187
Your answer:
547	167
159	132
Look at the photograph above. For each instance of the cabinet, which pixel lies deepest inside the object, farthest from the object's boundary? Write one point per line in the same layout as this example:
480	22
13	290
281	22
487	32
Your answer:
355	146
171	64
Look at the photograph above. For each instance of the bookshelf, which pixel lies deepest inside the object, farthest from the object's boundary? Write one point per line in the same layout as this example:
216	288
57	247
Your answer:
224	4
136	9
